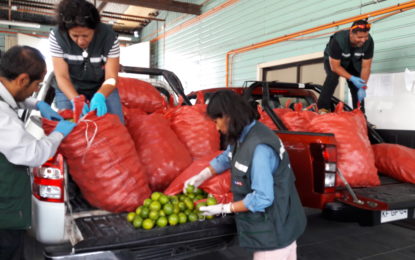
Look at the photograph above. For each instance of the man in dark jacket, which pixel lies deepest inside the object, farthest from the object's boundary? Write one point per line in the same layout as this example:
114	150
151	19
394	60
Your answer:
348	54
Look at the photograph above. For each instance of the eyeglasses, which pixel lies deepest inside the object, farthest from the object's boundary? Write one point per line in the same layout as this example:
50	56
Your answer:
79	20
361	26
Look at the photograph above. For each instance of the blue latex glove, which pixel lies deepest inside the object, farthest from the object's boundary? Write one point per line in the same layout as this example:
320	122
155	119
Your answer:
98	104
47	112
361	94
85	109
358	82
64	127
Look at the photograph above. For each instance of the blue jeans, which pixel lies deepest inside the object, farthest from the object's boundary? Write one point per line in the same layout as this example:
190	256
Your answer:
113	103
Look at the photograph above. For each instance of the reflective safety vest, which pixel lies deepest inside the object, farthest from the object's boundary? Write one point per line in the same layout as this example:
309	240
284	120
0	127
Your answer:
284	221
349	58
86	73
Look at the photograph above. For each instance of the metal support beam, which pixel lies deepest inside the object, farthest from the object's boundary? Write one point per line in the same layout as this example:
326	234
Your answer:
168	5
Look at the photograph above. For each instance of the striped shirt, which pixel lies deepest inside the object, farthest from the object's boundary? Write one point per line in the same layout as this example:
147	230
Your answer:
56	50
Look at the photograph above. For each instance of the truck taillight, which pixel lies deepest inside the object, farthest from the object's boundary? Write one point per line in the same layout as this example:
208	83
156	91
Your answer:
330	167
325	167
48	180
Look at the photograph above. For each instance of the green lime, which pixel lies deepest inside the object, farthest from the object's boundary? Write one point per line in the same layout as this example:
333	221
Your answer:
164	199
190	189
148	224
138	210
176	209
189	204
191	196
155	205
210	217
162	214
154	214
173	219
201	204
174	199
137	221
156	195
147	202
192	217
182	197
199	197
162	222
144	212
130	216
211	201
198	191
182	218
200	216
182	206
168	209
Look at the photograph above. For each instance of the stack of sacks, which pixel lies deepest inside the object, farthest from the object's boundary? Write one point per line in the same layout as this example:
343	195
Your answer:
103	162
355	157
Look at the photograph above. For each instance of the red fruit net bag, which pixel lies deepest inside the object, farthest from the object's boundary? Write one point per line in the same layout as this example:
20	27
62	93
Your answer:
266	119
195	129
162	154
298	120
135	93
103	162
396	161
219	185
355	157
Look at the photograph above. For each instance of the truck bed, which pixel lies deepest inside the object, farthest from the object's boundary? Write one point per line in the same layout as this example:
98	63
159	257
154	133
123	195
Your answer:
113	233
396	194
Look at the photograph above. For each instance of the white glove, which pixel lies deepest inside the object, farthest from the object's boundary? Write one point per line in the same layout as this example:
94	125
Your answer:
198	178
216	209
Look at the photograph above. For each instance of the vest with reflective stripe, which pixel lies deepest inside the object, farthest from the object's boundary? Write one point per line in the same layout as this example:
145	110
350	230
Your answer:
15	195
348	58
87	74
284	221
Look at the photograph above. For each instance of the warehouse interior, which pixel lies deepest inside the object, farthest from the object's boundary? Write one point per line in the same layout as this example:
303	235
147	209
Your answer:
264	50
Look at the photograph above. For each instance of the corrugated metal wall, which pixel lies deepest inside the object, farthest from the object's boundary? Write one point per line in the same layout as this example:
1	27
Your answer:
197	52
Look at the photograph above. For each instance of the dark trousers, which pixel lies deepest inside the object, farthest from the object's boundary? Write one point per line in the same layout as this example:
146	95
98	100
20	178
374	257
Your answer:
11	244
329	86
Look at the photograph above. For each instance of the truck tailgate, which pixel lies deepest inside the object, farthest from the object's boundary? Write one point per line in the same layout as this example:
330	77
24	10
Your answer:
396	194
113	233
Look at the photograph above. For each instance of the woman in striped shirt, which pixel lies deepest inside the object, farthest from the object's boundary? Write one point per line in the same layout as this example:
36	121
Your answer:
85	56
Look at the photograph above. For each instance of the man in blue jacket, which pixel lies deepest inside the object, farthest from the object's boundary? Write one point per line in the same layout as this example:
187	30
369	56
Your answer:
348	54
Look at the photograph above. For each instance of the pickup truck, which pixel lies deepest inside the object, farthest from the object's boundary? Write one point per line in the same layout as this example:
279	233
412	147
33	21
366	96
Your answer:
313	159
70	228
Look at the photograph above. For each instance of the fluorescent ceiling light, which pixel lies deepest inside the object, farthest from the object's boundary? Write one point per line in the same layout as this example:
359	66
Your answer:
124	38
20	24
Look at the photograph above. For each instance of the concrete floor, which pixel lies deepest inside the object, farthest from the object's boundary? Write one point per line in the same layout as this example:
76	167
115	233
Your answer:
324	239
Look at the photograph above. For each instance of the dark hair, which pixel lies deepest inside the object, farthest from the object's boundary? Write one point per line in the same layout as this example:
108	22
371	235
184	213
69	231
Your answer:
360	26
22	59
240	112
74	13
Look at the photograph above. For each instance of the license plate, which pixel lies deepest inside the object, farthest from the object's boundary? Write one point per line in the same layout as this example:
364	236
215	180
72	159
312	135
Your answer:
392	215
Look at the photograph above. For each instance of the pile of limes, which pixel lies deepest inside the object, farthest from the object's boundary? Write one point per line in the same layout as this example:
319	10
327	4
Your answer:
161	210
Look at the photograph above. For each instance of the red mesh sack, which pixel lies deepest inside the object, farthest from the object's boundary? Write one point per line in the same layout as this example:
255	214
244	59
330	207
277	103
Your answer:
159	149
396	161
266	119
103	162
298	120
356	115
355	157
195	129
218	185
135	93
